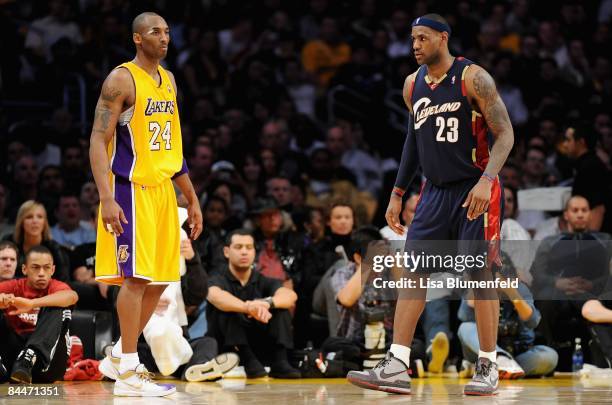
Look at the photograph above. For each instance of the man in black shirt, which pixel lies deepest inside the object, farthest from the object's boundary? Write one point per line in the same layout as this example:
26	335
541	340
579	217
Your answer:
591	175
568	270
598	312
249	312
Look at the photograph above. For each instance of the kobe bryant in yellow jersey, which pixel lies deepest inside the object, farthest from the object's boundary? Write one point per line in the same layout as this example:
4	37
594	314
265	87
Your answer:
136	152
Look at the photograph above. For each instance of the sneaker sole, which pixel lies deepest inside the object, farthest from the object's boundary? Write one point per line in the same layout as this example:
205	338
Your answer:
510	375
135	393
208	371
480	394
107	369
21	378
384	388
439	353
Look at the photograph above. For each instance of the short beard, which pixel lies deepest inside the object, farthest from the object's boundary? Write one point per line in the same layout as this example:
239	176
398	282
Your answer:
433	59
239	269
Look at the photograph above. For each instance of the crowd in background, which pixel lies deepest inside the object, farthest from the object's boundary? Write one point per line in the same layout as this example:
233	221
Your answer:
291	115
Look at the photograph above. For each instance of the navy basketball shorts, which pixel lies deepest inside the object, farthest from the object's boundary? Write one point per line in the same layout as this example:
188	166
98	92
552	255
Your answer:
440	222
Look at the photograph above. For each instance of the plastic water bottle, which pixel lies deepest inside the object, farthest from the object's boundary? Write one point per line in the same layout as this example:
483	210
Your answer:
577	357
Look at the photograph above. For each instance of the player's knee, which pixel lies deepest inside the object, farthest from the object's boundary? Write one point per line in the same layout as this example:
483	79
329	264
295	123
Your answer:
546	358
136	284
156	289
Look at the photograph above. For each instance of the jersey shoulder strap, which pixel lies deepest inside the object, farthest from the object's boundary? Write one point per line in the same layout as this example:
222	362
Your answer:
411	86
463	65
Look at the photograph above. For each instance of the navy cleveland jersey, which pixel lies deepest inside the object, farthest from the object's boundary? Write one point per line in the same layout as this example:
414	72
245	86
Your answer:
451	137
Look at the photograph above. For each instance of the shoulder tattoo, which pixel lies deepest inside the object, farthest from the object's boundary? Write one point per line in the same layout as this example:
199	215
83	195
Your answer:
484	86
109	93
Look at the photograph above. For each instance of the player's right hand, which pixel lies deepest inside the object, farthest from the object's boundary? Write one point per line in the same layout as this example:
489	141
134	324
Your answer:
393	213
6	300
22	305
258	311
112	216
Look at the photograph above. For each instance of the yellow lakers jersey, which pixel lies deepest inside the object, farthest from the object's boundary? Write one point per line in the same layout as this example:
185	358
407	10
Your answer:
147	147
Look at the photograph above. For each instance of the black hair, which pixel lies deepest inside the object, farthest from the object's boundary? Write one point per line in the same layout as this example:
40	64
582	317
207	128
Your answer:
538	148
586	132
566	207
69	193
40	249
361	239
241	232
214	198
514	196
280	176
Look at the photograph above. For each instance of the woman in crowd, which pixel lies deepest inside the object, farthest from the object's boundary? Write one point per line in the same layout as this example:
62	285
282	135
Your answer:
252	173
32	229
318	258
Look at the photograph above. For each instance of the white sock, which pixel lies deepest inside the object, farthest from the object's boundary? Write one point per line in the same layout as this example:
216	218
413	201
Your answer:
129	361
488	355
402	353
116	351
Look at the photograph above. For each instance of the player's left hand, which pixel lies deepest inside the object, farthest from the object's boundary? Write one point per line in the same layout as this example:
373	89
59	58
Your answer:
477	200
21	305
195	219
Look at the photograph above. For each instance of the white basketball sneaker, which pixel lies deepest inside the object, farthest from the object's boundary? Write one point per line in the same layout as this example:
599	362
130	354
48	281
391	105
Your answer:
138	383
109	366
508	368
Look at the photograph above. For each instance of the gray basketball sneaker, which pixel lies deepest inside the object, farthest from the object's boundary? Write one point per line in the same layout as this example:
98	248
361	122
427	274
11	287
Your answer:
389	375
485	379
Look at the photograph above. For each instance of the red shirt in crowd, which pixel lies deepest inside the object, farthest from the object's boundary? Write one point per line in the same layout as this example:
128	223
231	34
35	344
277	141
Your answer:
26	323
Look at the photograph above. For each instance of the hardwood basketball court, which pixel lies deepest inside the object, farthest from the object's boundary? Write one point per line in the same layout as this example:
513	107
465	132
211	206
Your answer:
267	391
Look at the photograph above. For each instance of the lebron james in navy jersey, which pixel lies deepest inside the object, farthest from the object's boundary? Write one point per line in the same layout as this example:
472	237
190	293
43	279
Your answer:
460	135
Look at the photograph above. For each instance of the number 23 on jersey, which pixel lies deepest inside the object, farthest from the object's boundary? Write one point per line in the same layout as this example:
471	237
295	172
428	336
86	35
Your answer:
452	124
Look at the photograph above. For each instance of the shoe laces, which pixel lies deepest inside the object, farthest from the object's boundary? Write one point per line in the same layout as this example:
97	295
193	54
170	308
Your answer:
145	375
484	368
384	362
29	355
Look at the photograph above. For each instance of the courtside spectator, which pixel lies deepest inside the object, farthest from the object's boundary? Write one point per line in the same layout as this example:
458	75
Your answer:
249	312
35	323
569	269
598	312
32	229
592	178
70	230
8	260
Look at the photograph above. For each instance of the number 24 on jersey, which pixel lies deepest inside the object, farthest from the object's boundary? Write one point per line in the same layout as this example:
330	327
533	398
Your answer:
166	135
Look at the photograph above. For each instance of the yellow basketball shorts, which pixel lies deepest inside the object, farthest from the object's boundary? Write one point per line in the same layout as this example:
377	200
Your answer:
149	247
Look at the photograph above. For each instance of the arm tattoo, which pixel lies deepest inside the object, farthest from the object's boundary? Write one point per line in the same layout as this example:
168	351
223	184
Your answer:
497	119
102	118
484	86
110	94
103	110
492	106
